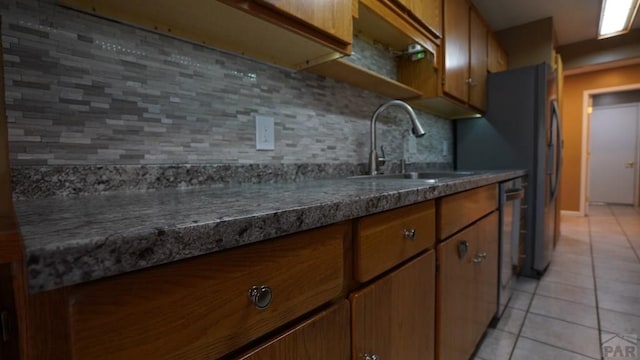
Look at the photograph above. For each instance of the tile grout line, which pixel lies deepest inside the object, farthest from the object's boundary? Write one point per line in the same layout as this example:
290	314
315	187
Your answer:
559	298
626	236
563	320
595	286
558	347
519	334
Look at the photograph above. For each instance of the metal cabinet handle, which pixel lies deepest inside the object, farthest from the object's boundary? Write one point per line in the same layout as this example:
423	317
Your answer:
370	357
514	194
463	247
260	296
477	260
409	234
483	255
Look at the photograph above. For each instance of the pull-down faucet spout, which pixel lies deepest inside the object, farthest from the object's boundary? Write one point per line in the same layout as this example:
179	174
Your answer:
374	161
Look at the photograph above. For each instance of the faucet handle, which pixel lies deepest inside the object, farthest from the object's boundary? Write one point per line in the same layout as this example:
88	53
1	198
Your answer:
381	160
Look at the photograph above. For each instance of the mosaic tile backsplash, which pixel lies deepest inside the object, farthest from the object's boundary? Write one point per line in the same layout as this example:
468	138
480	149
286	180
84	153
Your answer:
81	90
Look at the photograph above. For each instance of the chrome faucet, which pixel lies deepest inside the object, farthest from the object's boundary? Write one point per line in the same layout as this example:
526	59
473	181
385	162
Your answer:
374	161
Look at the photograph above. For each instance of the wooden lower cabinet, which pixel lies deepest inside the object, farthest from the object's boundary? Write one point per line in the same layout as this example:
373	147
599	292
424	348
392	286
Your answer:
324	336
393	318
487	274
467	286
200	308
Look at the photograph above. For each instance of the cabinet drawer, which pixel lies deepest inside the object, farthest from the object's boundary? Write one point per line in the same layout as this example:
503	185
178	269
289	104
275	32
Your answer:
459	210
325	336
200	308
384	240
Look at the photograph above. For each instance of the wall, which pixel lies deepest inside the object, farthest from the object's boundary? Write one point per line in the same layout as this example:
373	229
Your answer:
81	90
589	54
537	48
574	87
616	98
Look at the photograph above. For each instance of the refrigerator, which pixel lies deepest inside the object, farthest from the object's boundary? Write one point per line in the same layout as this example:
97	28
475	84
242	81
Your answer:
521	130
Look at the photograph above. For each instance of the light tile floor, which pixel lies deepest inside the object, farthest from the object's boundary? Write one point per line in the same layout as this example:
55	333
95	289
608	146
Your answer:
590	293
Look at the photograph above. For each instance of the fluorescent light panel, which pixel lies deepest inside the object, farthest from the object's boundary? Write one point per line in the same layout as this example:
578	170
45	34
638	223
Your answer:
616	17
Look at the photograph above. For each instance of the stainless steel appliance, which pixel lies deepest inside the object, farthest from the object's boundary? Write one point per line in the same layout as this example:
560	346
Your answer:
511	193
521	130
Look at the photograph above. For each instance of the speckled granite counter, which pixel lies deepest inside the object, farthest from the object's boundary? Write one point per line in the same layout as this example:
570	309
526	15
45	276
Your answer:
73	240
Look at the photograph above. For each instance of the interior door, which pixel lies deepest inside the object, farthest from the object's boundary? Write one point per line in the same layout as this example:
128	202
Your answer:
613	149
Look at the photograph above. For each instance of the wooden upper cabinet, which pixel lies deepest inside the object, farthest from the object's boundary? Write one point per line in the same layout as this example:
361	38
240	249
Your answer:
427	12
292	34
330	16
457	89
496	56
456	49
477	60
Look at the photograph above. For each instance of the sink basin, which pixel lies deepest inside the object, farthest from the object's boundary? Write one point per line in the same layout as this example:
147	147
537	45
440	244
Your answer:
431	176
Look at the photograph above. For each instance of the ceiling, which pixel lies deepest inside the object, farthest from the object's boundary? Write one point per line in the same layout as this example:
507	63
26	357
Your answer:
574	20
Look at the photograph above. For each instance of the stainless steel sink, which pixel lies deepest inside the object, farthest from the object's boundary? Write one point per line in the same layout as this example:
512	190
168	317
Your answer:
431	176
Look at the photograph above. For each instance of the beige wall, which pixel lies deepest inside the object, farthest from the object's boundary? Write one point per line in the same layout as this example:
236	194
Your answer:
574	87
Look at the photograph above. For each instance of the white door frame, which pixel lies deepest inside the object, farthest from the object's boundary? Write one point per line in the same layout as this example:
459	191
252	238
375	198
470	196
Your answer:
586	97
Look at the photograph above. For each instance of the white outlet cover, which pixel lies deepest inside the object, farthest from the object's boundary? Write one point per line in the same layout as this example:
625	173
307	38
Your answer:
265	136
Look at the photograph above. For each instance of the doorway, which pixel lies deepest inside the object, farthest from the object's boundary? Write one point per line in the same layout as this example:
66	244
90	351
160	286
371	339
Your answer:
590	100
613	154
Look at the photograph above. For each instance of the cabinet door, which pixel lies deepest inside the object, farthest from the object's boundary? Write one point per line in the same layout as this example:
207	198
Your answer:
477	61
427	12
456	49
330	16
456	322
496	56
394	317
488	239
325	336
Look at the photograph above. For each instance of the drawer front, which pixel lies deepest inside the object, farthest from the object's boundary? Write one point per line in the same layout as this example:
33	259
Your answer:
200	308
459	210
384	240
325	336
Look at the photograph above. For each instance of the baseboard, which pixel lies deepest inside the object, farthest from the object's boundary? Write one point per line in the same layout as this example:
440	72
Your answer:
570	213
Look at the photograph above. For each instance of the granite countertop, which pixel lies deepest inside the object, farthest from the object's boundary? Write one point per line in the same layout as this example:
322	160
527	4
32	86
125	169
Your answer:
74	240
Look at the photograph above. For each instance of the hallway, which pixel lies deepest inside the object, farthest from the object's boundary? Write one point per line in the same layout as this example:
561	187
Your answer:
590	293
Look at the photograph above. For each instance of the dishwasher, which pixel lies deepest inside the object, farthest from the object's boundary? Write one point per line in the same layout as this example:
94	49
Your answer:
511	194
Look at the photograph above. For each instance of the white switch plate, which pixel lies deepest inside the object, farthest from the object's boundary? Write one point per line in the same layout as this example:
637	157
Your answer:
265	138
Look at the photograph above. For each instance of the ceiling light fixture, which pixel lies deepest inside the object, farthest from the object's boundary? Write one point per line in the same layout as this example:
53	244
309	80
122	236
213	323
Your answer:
616	17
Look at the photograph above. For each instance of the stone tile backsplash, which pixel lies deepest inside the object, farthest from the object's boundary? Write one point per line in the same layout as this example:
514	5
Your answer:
81	90
374	57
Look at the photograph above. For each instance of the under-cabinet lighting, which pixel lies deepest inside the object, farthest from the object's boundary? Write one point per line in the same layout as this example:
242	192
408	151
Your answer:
616	17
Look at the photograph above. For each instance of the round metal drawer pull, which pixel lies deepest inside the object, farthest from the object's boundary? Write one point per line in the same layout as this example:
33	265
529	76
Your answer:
370	357
483	255
260	296
477	260
409	233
